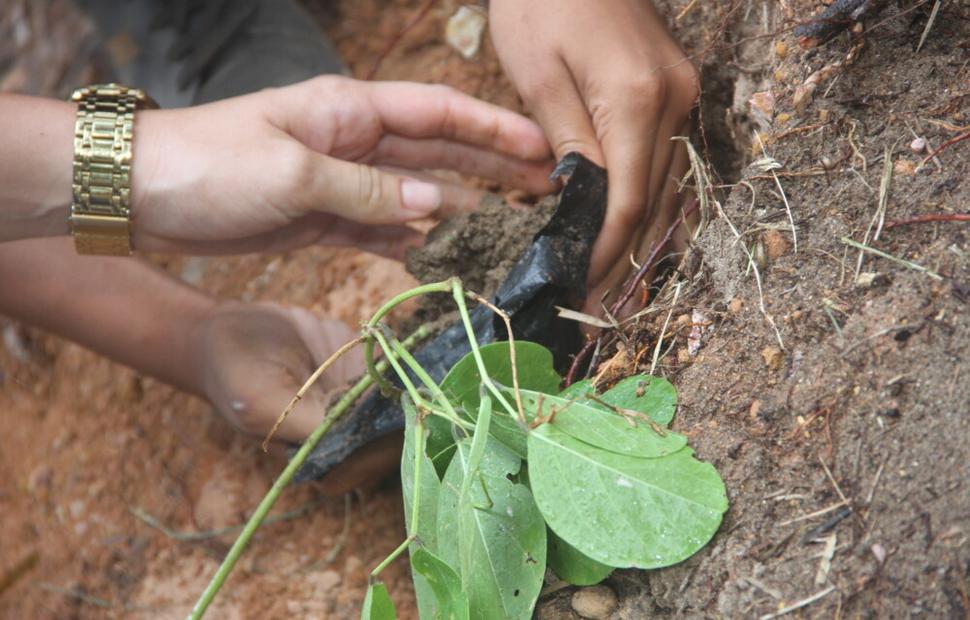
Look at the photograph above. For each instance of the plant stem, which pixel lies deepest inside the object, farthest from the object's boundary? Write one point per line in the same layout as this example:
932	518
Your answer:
416	502
377	336
435	287
419	457
459	294
393	556
284	479
428	382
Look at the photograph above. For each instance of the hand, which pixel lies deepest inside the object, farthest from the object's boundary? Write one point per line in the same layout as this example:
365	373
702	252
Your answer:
311	163
253	358
606	79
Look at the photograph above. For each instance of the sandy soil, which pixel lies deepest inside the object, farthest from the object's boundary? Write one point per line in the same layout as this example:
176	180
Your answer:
870	380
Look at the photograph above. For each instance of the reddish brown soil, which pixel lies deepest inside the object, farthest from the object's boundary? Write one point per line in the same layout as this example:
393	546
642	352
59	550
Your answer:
882	399
85	441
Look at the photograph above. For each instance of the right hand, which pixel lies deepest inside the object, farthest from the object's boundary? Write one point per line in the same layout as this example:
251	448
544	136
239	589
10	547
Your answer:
605	78
309	163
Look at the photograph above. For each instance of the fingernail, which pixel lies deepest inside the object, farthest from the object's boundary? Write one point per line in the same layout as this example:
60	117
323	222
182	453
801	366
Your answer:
419	197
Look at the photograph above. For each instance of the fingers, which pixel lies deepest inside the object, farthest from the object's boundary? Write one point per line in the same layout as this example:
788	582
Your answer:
560	109
358	192
529	176
390	241
455	198
628	143
427	111
667	209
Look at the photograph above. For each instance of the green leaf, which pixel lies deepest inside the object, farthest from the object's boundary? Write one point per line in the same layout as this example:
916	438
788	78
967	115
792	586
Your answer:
378	604
440	443
533	361
598	426
451	603
493	533
572	566
429	487
653	396
578	389
620	510
534	364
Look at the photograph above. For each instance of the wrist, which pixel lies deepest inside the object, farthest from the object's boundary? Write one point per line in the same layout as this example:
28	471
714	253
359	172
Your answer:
36	170
190	338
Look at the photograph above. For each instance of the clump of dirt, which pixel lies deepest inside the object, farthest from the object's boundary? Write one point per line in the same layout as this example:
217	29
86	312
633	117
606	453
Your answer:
479	247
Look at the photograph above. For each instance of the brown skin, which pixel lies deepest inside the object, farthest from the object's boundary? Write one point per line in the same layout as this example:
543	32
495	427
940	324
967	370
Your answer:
605	78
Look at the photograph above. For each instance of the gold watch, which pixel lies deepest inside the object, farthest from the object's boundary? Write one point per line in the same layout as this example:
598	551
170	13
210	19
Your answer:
100	212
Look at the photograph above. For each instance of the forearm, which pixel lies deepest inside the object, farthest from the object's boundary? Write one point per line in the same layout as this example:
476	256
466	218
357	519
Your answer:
36	154
122	308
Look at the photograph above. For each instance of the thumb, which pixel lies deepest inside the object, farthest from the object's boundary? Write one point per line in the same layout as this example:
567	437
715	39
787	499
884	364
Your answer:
366	194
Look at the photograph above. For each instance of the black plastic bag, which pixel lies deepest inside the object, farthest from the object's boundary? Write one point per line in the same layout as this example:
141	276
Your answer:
551	272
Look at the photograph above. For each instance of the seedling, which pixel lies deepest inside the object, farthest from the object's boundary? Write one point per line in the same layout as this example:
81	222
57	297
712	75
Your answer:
504	474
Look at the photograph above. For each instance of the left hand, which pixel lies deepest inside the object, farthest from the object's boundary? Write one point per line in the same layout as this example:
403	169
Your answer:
253	358
331	160
605	78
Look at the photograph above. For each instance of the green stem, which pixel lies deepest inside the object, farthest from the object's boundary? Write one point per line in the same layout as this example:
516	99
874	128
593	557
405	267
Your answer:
428	382
419	457
229	562
416	502
458	293
394	555
376	335
435	287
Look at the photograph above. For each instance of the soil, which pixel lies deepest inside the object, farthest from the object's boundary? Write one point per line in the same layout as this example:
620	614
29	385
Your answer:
860	397
479	247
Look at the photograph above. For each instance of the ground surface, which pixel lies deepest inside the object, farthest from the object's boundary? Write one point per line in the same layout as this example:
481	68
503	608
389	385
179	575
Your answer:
868	378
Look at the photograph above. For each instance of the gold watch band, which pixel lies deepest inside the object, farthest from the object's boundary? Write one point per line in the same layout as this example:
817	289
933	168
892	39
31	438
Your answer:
100	212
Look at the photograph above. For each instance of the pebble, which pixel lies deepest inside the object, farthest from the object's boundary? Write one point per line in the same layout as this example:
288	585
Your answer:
735	305
776	244
595	603
918	145
773	357
464	30
904	167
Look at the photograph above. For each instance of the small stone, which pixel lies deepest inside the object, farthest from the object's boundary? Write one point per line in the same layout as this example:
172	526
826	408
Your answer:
781	48
867	279
321	583
904	167
776	244
683	355
783	118
879	552
464	30
735	305
918	145
773	357
595	603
